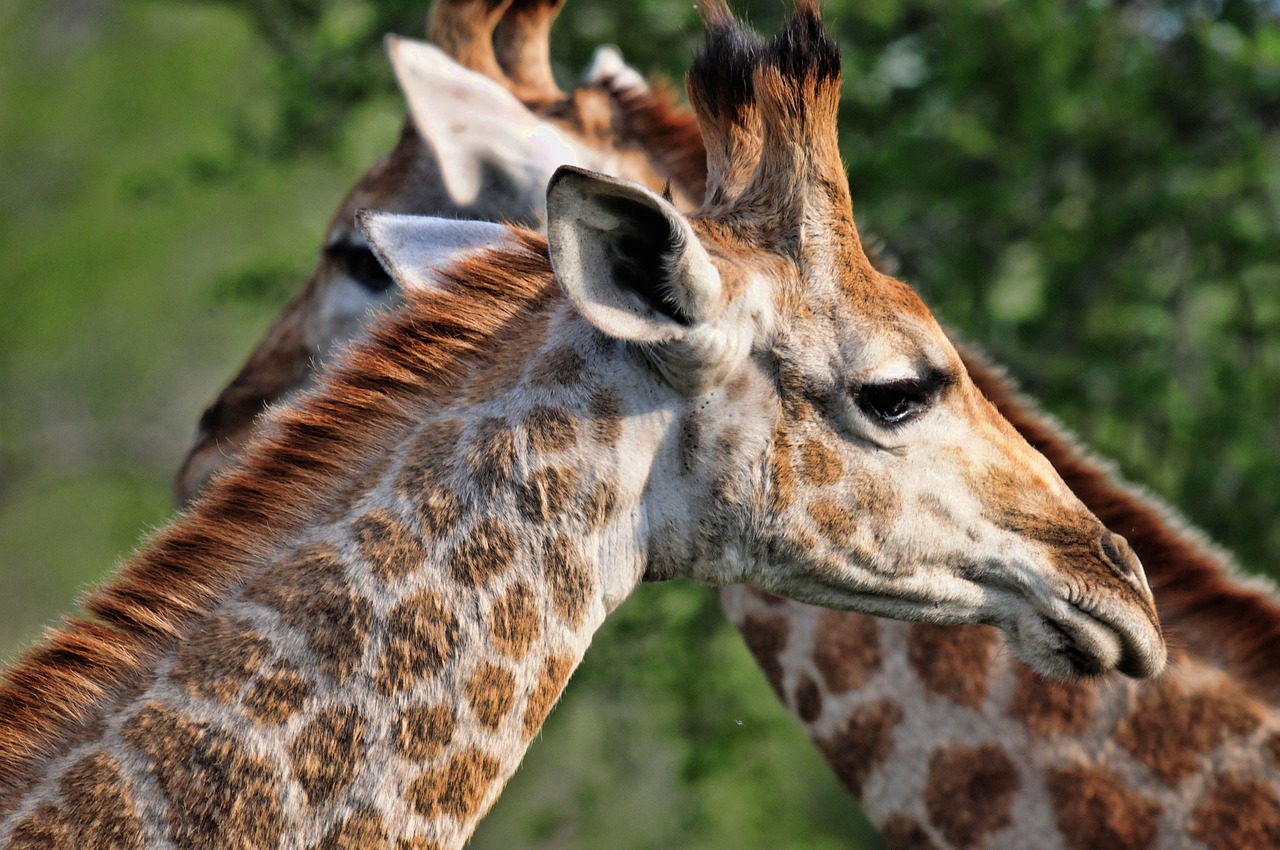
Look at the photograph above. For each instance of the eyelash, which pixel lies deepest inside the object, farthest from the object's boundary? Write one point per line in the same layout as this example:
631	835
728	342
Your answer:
896	402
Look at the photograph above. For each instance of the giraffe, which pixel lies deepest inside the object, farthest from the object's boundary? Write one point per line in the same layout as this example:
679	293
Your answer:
469	149
352	637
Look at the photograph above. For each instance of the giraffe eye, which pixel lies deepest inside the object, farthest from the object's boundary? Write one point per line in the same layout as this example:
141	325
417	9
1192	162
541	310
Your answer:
895	402
358	263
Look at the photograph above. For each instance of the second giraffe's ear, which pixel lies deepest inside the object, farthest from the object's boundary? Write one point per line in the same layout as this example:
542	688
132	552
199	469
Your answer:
479	131
412	248
627	259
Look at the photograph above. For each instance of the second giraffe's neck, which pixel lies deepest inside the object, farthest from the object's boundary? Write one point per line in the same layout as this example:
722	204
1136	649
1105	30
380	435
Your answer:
380	677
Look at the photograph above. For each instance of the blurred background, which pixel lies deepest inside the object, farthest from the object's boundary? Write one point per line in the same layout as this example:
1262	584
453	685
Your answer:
1088	190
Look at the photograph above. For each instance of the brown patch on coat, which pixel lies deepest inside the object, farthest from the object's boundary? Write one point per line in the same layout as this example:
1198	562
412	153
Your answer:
969	793
428	463
95	811
601	505
766	637
276	696
1171	731
217	661
689	442
551	682
952	661
456	789
846	650
484	553
571	579
514	623
217	793
391	548
424	730
782	476
547	493
491	455
311	592
820	464
835	522
1272	749
328	751
417	844
1049	707
1238	811
422	637
903	832
807	699
562	366
863	743
491	692
411	359
549	429
359	830
1094	807
605	415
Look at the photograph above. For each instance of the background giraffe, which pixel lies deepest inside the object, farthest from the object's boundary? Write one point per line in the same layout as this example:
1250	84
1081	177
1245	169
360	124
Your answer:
1040	370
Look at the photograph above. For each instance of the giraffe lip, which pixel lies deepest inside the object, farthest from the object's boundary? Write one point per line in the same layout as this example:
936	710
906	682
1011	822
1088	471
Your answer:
1116	642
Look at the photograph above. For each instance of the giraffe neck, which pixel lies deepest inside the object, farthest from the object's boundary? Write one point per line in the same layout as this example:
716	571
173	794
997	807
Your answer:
380	676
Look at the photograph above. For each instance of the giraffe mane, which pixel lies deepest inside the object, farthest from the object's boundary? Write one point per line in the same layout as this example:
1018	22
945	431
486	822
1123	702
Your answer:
661	125
1206	602
292	472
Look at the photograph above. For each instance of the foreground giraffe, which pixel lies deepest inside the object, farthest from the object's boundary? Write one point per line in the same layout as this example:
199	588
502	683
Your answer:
352	638
950	743
469	149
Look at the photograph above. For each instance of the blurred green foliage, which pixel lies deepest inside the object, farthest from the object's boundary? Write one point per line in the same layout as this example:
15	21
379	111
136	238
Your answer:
1089	190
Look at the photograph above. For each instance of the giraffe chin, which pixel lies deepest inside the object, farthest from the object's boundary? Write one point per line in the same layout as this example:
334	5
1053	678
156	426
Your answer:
1074	643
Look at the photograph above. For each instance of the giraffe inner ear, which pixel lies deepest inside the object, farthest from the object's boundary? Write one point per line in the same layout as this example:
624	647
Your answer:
627	259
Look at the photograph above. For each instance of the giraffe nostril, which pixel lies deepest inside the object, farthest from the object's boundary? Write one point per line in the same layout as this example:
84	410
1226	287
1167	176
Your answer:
1117	552
211	416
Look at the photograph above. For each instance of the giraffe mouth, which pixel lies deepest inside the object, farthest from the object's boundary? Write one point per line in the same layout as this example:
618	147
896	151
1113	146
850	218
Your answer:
1088	644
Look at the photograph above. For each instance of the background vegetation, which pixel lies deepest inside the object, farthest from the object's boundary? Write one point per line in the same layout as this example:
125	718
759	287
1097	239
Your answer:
1088	189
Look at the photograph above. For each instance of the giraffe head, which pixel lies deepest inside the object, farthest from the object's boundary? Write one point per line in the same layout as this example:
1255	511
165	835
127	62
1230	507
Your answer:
470	149
807	426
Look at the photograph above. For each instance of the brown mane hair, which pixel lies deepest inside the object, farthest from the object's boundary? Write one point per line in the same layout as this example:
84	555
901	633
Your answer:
295	470
1205	602
667	131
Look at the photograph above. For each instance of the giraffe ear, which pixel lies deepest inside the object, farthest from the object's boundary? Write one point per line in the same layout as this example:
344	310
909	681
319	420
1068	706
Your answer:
482	136
627	259
412	248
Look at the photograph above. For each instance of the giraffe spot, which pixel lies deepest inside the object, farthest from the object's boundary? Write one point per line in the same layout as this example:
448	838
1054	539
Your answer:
491	455
95	811
689	442
551	681
873	497
311	592
216	661
1272	749
327	752
513	621
820	464
903	832
766	637
969	793
417	844
218	793
456	789
390	547
359	830
1094	807
1238	812
424	730
438	512
560	367
834	521
736	389
491	692
422	636
952	661
276	697
570	578
605	412
547	493
808	699
1049	707
846	650
782	475
863	743
549	429
483	554
428	464
1171	731
601	505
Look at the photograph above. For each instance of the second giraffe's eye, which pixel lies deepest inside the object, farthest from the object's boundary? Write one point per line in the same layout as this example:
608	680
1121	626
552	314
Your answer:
358	263
895	402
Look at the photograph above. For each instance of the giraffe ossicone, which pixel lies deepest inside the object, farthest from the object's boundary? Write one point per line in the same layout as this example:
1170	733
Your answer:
353	636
